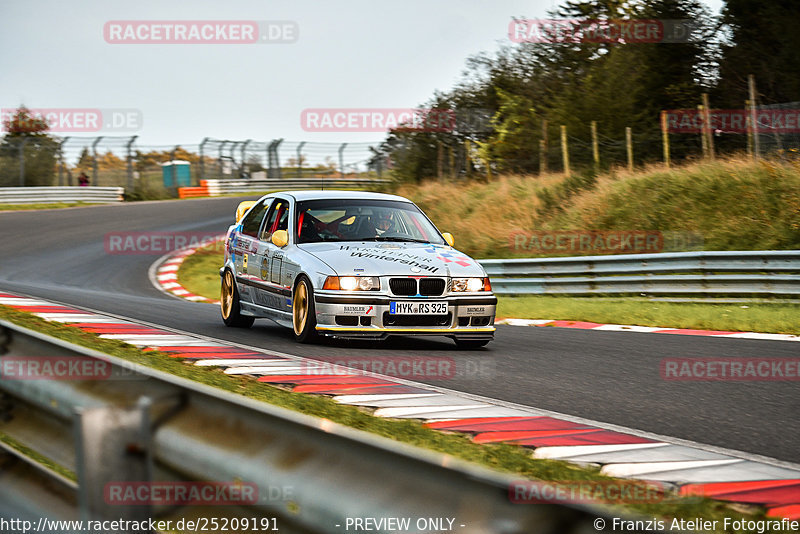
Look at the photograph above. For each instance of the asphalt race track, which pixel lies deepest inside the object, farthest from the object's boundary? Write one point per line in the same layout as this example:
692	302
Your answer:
612	377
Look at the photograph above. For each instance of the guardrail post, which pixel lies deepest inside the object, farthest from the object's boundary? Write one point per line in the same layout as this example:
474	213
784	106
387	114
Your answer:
94	160
202	160
300	159
129	158
112	456
341	159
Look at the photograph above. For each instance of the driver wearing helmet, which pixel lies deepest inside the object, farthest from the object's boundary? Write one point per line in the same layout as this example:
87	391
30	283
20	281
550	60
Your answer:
383	223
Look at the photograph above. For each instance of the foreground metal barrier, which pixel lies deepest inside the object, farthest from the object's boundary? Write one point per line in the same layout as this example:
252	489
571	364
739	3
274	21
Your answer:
770	272
52	194
140	425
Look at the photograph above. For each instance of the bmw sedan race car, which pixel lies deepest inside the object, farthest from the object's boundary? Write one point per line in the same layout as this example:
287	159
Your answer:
351	264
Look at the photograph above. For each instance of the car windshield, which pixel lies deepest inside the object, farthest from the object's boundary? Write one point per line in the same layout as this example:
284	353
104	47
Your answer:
363	220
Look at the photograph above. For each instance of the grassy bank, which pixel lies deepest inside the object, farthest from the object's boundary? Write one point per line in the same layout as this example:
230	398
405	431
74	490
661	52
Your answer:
732	204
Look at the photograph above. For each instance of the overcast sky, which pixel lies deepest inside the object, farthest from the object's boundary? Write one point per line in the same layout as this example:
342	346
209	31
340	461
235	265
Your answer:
349	54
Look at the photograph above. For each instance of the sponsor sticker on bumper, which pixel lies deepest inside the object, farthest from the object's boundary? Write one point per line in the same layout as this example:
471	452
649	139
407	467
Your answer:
367	310
474	310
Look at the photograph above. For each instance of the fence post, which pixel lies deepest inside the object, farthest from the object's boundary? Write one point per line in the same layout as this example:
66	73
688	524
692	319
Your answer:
129	159
751	89
703	138
233	159
219	160
300	159
94	160
629	147
707	126
467	159
595	148
544	149
277	158
23	142
202	160
439	160
243	166
451	161
665	138
174	169
341	159
61	161
565	149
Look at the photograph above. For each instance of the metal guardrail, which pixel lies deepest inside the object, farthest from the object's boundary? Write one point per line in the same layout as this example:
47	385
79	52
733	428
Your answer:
311	474
52	194
770	272
223	187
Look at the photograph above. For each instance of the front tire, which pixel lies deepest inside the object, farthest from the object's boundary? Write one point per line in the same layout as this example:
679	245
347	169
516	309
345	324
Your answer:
304	316
229	304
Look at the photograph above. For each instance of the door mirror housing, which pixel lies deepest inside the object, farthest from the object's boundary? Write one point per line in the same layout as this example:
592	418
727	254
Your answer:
242	208
448	237
280	238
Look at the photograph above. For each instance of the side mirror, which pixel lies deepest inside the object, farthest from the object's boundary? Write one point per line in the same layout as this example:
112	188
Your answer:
242	208
280	238
449	238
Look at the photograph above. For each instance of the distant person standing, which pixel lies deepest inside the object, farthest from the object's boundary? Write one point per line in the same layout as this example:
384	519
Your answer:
83	179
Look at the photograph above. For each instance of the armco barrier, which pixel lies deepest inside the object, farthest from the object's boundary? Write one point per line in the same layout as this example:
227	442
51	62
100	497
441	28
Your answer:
52	194
770	273
310	474
226	187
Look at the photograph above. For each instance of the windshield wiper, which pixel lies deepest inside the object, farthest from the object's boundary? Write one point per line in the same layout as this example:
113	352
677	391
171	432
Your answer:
395	238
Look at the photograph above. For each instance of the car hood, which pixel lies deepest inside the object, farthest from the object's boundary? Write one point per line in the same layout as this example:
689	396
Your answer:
400	259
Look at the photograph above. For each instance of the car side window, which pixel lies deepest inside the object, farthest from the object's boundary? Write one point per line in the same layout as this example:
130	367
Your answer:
252	221
277	219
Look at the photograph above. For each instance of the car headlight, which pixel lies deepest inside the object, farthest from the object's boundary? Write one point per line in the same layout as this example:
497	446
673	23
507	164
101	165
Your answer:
352	283
470	284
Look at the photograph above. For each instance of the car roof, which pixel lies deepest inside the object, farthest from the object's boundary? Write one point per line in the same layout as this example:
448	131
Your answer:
318	194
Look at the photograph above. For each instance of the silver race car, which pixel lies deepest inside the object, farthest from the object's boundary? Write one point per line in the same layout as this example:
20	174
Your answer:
351	264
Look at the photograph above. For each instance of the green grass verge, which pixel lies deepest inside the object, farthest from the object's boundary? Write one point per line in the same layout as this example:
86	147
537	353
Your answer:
502	457
199	273
779	318
54	205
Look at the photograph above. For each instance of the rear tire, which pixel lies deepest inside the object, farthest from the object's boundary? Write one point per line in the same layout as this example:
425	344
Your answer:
229	304
304	316
471	344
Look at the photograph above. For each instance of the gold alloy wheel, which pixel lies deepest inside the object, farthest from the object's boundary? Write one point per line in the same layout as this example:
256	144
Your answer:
300	308
226	302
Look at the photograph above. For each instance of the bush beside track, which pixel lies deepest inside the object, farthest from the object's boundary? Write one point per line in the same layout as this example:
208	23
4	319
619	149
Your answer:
734	204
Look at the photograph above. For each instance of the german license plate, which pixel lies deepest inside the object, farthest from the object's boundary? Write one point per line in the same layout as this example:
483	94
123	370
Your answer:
418	308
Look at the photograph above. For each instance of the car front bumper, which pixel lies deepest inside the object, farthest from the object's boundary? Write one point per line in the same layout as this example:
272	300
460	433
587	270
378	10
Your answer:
368	316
